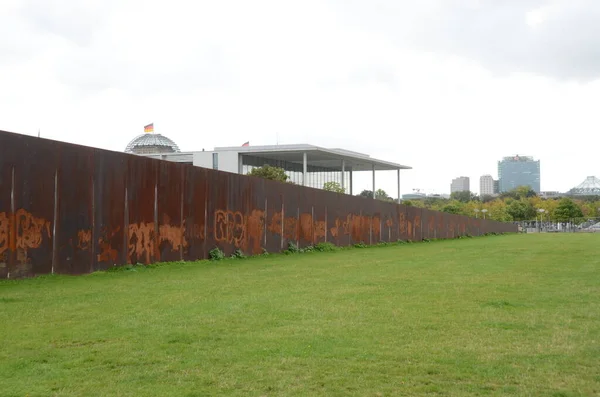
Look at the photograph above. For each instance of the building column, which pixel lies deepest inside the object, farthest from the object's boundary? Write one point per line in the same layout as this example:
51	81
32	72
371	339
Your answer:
240	164
351	192
344	175
399	198
304	160
374	196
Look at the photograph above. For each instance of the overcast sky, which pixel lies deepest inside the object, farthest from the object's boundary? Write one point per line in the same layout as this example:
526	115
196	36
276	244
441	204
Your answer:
445	86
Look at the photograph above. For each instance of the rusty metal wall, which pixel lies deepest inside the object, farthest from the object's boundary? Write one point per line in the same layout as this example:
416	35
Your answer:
71	209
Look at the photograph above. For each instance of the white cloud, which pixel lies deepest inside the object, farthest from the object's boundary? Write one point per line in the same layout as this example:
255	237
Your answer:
446	87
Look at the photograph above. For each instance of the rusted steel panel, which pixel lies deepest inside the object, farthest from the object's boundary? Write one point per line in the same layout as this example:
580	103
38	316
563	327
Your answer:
7	159
225	225
428	223
413	217
195	213
337	230
461	227
352	219
452	221
34	186
109	210
171	233
402	223
273	215
74	223
142	225
319	210
251	201
306	200
291	214
438	225
373	220
389	220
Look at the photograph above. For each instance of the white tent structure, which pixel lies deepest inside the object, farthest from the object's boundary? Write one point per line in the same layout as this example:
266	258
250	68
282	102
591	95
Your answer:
589	187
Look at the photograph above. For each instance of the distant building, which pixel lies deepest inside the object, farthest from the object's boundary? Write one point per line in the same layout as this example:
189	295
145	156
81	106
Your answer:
486	185
307	165
496	186
589	187
460	184
518	171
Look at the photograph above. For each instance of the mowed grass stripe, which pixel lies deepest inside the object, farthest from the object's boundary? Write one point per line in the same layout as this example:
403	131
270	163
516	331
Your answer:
499	315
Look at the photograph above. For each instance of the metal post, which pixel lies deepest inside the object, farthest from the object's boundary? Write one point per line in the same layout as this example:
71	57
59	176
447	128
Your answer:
351	191
374	195
304	169
399	199
344	175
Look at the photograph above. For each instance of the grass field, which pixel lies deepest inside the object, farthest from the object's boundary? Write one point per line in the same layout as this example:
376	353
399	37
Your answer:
499	315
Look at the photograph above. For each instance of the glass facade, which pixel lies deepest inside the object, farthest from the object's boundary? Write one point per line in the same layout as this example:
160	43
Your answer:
518	171
316	177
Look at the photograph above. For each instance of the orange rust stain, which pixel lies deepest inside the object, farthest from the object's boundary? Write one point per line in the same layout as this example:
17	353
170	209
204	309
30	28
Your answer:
357	226
230	227
306	227
30	230
255	228
319	230
84	239
275	225
375	224
290	229
342	226
141	241
174	235
4	228
402	223
107	253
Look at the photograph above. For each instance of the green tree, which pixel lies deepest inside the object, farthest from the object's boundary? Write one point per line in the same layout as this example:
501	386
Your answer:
453	208
366	193
521	210
567	209
333	187
269	172
486	198
519	192
464	196
381	194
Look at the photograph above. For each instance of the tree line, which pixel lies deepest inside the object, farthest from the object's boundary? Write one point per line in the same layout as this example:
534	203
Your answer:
520	204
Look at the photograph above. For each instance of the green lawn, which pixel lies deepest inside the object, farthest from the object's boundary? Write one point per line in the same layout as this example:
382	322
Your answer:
498	315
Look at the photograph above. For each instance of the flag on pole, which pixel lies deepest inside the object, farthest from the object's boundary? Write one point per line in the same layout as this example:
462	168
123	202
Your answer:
149	127
246	144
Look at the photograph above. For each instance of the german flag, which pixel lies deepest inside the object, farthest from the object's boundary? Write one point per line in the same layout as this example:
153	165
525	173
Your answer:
149	128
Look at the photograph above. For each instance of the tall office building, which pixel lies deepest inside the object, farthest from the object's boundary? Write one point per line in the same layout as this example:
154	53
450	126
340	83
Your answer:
486	185
518	171
460	184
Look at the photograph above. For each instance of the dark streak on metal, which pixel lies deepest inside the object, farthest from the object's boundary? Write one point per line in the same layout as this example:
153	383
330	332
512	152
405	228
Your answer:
54	227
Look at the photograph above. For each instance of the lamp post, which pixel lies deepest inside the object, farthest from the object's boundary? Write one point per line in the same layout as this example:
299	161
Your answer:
541	211
476	213
484	211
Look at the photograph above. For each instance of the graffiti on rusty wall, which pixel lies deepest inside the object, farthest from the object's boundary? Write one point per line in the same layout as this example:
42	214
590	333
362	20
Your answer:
219	212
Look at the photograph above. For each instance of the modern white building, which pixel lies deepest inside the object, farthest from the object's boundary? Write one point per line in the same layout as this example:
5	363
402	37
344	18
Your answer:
460	184
486	185
306	165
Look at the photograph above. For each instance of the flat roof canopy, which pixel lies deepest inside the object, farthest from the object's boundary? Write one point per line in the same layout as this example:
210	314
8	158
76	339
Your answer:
317	157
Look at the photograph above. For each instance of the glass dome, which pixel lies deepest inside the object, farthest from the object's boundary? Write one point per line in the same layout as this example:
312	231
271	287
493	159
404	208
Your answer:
151	143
